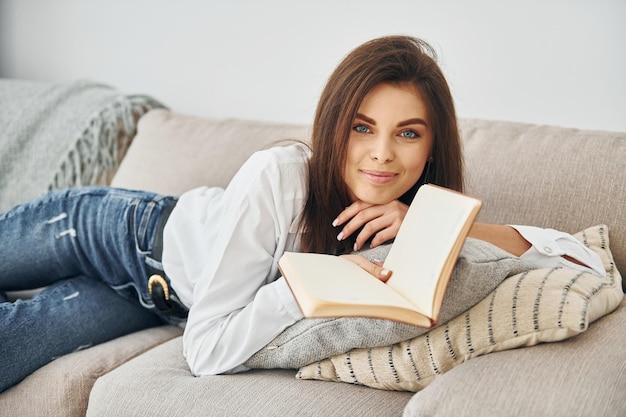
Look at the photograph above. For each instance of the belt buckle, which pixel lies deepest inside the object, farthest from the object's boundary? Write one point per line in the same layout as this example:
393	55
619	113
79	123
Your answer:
161	297
158	280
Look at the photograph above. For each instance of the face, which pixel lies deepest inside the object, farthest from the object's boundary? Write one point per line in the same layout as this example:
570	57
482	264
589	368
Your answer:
390	142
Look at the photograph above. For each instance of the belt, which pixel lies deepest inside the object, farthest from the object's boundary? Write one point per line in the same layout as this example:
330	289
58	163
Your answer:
163	296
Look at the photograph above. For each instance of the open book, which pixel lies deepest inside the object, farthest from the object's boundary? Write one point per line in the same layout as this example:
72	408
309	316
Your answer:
421	259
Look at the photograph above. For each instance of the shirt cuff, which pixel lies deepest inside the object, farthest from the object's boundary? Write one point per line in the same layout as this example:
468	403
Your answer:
549	246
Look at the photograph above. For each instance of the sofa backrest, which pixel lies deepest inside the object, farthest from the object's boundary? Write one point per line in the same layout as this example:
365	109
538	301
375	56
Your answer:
566	179
546	176
173	153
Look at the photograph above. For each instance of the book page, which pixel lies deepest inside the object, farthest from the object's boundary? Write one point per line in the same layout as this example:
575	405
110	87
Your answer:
430	231
317	280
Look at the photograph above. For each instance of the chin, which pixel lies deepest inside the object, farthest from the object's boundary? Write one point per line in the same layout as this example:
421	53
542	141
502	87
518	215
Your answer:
376	198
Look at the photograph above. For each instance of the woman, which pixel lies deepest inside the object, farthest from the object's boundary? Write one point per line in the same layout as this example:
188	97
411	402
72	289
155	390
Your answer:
385	124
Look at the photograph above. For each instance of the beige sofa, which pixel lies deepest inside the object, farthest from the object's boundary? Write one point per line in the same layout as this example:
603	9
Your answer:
526	174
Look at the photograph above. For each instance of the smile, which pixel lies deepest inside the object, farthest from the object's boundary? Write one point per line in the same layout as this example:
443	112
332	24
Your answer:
378	177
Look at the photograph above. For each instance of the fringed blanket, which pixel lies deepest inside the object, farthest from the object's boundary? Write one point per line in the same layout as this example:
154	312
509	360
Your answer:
55	136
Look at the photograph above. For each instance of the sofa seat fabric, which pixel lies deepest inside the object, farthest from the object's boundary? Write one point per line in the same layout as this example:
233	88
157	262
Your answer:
581	376
159	383
62	387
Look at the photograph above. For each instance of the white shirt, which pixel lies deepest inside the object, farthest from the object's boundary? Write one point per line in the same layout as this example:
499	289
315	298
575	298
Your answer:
221	249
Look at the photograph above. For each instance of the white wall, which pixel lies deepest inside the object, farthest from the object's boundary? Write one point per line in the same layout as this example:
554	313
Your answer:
559	62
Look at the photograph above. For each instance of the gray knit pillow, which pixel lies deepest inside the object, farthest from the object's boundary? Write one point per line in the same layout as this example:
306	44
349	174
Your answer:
478	271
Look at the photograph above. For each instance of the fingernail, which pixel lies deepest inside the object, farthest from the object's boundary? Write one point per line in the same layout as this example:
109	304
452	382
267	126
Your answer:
355	247
340	236
384	272
335	222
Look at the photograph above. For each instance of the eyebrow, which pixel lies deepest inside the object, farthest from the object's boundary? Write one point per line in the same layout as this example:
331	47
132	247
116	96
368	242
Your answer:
413	121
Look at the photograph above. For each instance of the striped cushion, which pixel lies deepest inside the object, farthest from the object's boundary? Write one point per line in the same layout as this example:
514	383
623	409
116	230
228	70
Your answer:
542	305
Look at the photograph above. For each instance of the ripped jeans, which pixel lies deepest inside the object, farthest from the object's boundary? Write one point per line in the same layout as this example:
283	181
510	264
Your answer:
89	247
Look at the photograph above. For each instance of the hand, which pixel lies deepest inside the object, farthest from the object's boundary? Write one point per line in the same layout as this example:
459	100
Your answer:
375	268
380	221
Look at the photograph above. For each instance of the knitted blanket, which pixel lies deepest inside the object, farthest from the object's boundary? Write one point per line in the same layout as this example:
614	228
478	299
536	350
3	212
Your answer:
55	136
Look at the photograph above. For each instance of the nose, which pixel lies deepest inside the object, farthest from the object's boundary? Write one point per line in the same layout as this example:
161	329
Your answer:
382	150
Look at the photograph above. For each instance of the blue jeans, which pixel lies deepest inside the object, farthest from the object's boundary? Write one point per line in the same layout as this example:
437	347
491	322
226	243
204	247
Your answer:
90	247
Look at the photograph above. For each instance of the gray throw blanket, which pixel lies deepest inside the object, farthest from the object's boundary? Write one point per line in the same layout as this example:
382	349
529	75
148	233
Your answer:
55	136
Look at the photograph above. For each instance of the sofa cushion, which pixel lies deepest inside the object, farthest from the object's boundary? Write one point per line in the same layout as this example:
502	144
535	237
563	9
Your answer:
548	176
173	153
62	387
159	382
579	377
542	305
478	271
62	135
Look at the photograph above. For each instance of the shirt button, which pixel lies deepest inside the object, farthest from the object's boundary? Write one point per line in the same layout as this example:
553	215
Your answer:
547	249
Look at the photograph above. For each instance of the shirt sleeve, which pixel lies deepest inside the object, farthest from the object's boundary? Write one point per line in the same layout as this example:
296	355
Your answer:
549	247
240	302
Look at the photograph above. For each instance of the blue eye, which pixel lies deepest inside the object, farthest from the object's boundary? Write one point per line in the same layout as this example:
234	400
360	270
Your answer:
409	134
361	129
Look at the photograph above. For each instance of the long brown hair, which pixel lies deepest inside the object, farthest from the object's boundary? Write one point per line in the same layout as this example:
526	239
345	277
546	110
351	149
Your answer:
391	59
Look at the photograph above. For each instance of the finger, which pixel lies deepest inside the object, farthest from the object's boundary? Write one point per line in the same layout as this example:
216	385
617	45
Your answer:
375	269
387	226
349	212
379	231
361	219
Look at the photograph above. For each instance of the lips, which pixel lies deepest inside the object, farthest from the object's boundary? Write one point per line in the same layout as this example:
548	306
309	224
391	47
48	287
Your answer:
378	177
